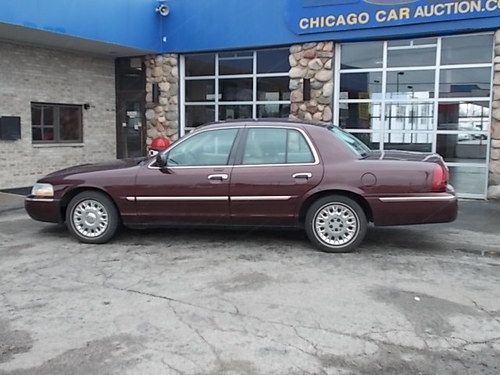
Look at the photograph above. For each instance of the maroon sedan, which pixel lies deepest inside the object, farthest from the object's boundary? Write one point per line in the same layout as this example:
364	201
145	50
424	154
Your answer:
254	173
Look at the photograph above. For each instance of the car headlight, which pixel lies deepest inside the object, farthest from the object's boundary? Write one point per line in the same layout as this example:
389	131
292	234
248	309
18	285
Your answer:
42	190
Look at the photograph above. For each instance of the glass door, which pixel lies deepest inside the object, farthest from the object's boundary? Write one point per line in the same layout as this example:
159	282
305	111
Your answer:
130	108
427	95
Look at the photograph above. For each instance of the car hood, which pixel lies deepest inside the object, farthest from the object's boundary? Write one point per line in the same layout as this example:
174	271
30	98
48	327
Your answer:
405	156
94	167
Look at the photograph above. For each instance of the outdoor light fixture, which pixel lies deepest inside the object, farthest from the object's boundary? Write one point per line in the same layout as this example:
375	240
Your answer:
86	106
163	9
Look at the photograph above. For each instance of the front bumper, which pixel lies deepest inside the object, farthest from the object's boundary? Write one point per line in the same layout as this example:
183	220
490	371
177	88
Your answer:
43	209
415	209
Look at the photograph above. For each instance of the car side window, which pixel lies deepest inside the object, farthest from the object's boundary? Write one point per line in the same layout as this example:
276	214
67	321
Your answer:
211	147
276	146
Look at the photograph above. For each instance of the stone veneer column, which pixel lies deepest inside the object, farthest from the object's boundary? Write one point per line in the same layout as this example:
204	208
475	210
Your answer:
162	118
494	176
311	61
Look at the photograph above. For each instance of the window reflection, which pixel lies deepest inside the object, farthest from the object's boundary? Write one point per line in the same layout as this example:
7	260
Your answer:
466	49
404	85
360	116
413	116
361	85
362	55
469	82
465	116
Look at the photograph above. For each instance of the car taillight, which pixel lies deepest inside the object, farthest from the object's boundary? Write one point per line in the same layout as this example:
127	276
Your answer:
439	178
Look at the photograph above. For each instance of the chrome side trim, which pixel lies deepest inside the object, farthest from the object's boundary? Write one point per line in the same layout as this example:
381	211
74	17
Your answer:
34	199
448	197
130	199
181	198
261	198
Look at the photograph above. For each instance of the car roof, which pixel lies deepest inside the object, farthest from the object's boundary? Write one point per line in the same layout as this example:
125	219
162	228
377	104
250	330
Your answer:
293	123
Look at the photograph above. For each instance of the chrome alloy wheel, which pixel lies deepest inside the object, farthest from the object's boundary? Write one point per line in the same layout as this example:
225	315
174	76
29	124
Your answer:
90	218
336	224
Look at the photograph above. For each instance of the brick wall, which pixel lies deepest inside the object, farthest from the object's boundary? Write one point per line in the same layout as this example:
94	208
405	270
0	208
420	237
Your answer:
494	177
29	74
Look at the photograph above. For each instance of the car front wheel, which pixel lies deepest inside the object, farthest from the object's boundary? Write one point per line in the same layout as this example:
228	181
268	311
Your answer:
336	224
92	217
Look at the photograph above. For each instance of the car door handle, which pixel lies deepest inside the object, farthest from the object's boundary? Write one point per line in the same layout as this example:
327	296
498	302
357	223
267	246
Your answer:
218	177
305	175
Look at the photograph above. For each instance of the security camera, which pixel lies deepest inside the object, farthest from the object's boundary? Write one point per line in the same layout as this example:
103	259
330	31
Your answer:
163	10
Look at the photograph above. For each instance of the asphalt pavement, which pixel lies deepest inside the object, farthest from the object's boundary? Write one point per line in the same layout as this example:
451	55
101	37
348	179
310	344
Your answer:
411	300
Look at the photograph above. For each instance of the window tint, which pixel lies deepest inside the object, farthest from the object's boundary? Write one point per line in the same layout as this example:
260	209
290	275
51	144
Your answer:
276	146
207	148
353	143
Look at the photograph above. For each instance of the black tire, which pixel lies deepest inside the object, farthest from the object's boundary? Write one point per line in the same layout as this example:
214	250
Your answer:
107	218
336	223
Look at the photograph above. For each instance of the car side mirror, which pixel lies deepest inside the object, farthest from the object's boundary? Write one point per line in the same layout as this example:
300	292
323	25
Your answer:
161	161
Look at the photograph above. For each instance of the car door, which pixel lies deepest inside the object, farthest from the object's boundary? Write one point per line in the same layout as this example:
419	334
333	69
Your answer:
194	187
275	168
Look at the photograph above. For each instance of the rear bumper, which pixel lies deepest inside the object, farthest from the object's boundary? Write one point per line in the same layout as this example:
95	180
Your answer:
414	209
47	210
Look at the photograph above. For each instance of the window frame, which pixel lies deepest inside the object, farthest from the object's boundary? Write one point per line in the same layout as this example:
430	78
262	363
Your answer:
217	102
56	125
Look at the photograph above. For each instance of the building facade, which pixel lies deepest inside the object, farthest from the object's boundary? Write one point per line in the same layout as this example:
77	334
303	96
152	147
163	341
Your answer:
415	75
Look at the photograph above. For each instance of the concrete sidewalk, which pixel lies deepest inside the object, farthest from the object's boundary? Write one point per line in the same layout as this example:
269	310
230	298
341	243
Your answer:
11	202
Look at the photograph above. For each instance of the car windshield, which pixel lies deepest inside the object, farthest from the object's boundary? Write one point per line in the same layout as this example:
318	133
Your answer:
354	144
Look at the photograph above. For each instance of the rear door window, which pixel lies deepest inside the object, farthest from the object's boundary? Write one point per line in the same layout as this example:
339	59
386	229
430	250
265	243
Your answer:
276	146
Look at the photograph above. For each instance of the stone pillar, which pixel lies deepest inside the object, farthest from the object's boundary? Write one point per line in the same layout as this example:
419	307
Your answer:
162	118
311	61
494	175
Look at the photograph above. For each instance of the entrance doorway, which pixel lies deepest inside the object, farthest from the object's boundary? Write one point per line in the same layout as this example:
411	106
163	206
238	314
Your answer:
130	99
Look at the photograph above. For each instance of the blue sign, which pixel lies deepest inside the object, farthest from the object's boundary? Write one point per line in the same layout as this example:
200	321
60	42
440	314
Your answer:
316	16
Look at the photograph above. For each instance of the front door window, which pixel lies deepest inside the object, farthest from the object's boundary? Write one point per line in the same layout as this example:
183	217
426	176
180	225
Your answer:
209	148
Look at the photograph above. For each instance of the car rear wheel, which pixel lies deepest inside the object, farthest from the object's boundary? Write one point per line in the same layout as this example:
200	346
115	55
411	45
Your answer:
92	217
336	224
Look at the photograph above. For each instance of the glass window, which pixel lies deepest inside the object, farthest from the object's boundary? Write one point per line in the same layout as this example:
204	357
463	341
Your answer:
372	140
265	146
206	148
276	146
411	56
200	65
69	123
197	115
200	90
362	55
420	142
414	84
468	82
234	89
273	89
235	63
55	123
411	116
465	116
360	116
468	49
232	112
353	143
468	180
361	85
273	110
273	61
298	150
462	147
